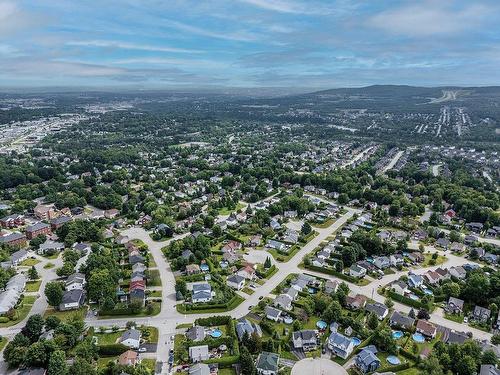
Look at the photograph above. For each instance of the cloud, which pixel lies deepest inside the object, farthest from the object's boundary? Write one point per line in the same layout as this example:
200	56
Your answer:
291	7
129	46
13	19
235	36
429	18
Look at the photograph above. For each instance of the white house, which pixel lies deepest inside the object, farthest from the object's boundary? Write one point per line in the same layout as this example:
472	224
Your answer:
131	338
236	282
75	281
357	271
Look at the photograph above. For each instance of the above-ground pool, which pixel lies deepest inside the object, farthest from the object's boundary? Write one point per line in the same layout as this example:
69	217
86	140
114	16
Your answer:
355	341
428	291
204	267
397	335
418	337
414	297
288	320
393	360
321	325
312	290
216	333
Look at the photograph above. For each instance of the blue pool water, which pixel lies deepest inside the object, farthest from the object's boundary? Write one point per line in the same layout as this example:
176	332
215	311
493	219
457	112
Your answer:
312	290
216	333
414	297
397	335
418	337
204	267
321	325
428	291
393	360
355	341
288	320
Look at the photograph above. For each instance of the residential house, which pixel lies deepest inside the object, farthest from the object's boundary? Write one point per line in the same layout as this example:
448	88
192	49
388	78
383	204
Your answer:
247	272
432	277
72	300
277	245
457	247
198	353
398	320
18	257
443	243
357	302
199	369
357	271
426	328
366	361
272	313
415	280
59	221
283	301
236	282
305	340
455	306
128	358
490	258
454	337
245	326
12	221
201	293
340	345
481	314
196	333
131	338
49	247
75	281
458	272
396	260
267	363
192	269
331	286
416	257
379	309
399	287
13	290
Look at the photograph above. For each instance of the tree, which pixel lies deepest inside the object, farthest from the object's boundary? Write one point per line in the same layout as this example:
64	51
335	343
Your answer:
82	367
306	229
267	263
54	292
451	289
100	285
57	364
495	339
36	355
15	351
372	321
333	312
52	322
34	327
431	366
32	273
423	314
382	338
246	361
489	358
477	287
388	302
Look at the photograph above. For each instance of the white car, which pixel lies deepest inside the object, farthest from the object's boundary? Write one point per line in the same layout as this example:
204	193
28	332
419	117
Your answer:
142	350
466	320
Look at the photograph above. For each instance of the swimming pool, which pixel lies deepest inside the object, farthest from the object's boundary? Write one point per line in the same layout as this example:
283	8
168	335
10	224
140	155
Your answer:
428	291
393	360
356	341
418	337
216	333
312	290
321	325
397	335
414	297
288	320
204	267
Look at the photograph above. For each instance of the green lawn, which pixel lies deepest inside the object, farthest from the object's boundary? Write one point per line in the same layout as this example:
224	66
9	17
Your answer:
235	303
22	311
150	363
184	325
65	315
3	342
152	337
107	338
248	290
29	262
324	224
155	293
143	313
227	211
33	286
153	277
454	317
103	361
227	371
428	261
409	371
49	265
53	256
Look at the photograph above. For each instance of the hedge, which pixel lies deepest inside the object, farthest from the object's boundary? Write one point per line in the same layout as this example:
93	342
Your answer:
405	353
329	271
224	362
405	300
112	349
213	321
400	367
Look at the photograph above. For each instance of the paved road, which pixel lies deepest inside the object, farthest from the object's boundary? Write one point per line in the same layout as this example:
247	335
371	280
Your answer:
168	318
393	161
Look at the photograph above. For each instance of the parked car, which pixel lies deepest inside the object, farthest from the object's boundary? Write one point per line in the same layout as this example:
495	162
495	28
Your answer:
142	350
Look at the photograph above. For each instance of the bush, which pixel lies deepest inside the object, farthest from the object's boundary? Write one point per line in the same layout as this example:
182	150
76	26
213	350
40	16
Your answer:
213	321
405	300
112	349
4	319
330	271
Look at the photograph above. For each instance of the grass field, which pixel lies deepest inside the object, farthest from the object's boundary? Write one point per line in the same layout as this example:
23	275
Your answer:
227	371
248	290
235	303
33	286
143	313
227	211
29	262
65	315
3	342
49	265
150	363
22	311
155	293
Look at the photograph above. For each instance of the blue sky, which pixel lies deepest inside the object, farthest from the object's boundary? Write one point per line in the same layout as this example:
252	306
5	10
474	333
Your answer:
248	43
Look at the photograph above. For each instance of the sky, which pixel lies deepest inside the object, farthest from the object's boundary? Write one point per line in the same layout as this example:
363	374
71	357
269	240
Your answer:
154	44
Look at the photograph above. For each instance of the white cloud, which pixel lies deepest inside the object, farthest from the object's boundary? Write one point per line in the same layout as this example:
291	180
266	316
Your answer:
130	46
429	18
286	6
236	36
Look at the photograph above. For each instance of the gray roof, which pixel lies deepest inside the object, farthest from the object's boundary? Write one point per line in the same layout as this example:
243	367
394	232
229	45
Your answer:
378	308
195	333
456	301
338	340
15	257
199	369
37	226
72	296
76	277
132	333
489	370
267	361
198	352
243	325
401	320
235	279
12	237
271	311
367	357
